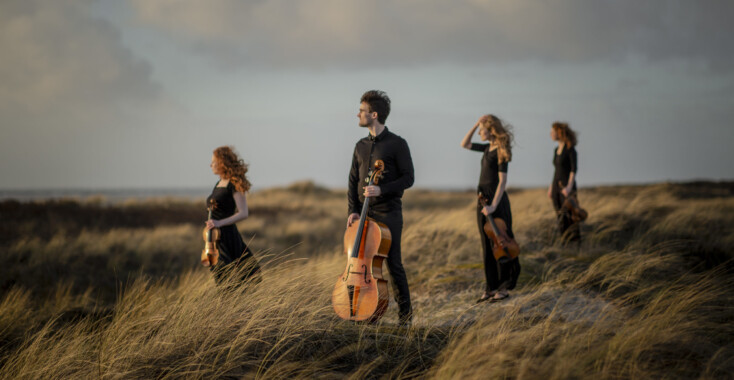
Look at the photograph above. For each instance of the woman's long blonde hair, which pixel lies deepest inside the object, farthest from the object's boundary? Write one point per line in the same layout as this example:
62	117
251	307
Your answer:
232	168
565	133
503	137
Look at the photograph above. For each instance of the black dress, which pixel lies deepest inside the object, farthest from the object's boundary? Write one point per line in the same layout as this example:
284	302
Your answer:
564	163
499	276
233	252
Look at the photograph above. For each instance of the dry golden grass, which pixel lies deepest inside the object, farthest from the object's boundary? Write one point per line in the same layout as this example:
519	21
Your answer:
116	291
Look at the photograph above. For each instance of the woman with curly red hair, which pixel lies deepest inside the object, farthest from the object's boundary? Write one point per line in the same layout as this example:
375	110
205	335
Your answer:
229	198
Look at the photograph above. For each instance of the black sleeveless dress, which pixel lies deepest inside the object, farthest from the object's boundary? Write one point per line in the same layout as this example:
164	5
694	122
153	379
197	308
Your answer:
233	252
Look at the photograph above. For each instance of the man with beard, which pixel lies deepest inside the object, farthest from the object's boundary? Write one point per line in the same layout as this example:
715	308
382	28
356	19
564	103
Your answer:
385	205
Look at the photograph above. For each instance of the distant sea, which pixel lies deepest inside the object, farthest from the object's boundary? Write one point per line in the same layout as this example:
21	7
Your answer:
104	195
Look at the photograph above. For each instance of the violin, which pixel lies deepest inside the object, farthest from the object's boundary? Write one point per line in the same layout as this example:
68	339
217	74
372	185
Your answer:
571	206
210	254
361	291
505	248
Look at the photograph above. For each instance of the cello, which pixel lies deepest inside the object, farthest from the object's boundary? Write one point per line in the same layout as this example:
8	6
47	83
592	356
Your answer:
361	291
505	248
210	253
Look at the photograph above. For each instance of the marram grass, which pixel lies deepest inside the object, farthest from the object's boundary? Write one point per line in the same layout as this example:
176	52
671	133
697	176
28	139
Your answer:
648	294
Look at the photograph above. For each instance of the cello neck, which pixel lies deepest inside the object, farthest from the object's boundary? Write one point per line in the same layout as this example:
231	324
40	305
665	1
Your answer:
360	228
379	166
494	226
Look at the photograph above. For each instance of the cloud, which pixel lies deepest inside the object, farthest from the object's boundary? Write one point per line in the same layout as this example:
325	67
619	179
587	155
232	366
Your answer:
60	65
73	98
321	33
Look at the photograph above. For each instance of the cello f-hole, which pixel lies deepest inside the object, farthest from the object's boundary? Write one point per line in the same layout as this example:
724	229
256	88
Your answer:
348	271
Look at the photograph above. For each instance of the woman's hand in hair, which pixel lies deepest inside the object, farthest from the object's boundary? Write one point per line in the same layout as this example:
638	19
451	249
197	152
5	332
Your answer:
466	141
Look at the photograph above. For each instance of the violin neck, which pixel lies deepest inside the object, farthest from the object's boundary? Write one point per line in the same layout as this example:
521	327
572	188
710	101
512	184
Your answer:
496	231
493	225
572	200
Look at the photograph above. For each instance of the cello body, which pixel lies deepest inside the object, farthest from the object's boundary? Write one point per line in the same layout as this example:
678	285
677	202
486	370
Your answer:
361	291
504	247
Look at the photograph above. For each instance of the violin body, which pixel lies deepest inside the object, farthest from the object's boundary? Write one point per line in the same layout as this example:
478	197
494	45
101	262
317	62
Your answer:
571	206
361	292
505	247
210	253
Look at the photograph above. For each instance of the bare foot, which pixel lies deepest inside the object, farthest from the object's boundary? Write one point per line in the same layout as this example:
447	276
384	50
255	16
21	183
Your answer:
487	296
500	295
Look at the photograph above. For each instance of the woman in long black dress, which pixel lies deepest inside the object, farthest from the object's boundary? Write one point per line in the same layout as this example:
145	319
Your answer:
564	178
501	277
229	195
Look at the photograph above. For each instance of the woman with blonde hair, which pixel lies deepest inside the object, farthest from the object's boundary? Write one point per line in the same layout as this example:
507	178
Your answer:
496	154
230	206
564	178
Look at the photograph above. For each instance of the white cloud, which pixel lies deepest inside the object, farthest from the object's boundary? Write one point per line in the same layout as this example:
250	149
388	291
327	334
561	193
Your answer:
63	66
81	107
321	33
73	98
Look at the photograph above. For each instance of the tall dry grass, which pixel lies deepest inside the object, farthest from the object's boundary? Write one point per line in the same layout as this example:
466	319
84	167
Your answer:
647	294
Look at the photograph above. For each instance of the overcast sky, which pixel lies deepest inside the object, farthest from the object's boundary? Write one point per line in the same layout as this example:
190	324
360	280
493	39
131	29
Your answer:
136	94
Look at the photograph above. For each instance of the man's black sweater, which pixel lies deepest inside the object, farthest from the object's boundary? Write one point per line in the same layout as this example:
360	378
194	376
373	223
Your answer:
398	175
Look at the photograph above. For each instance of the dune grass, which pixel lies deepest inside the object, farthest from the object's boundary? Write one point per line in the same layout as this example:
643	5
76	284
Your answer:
115	291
